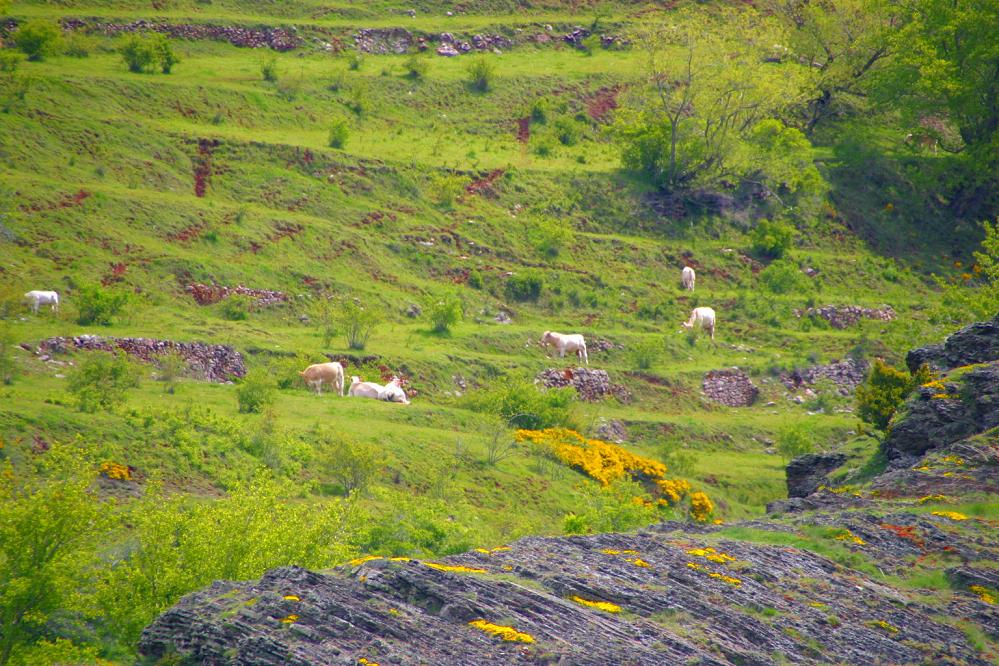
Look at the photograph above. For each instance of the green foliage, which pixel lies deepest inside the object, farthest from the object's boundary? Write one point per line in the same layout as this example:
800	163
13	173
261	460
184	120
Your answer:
48	529
8	365
324	314
884	391
178	546
10	61
171	367
414	526
610	509
567	130
543	145
444	312
480	74
646	352
541	110
78	45
355	60
475	279
269	70
355	322
590	44
142	52
772	238
236	307
96	305
339	133
100	381
38	39
417	66
446	188
783	277
795	440
521	404
256	391
549	236
525	286
347	462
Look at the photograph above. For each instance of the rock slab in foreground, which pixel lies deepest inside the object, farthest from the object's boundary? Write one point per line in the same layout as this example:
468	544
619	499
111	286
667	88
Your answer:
977	343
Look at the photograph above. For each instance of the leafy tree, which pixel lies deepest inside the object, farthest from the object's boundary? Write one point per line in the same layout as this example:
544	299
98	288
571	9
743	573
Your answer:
48	527
356	322
884	391
844	41
707	110
975	294
772	238
101	381
137	53
38	38
782	277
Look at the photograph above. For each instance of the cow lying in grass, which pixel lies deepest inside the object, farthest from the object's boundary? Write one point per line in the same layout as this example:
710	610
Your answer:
330	373
38	298
703	318
573	343
391	392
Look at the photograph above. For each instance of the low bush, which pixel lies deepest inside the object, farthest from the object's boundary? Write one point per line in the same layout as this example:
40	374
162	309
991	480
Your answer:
783	277
348	463
78	45
543	145
521	404
443	312
884	391
646	352
171	367
355	322
96	305
255	392
549	236
567	131
417	66
480	74
101	381
339	133
269	68
795	440
541	110
475	279
38	39
772	238
525	286
142	52
236	307
446	188
8	364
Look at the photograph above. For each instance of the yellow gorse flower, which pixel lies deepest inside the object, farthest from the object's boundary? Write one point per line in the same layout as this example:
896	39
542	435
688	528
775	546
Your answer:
506	633
364	662
701	507
983	594
605	606
637	561
735	582
453	568
113	470
711	555
953	515
291	597
932	498
290	619
847	535
596	458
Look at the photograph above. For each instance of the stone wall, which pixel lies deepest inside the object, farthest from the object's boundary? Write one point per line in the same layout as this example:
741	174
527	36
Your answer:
591	385
844	316
731	387
847	374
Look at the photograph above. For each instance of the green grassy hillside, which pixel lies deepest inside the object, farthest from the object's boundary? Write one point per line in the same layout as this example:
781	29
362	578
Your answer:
152	182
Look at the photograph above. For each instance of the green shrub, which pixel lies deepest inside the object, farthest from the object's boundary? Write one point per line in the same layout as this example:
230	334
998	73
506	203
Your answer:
38	39
236	307
142	52
525	286
549	236
269	68
355	60
416	66
590	44
783	277
78	45
101	381
255	392
610	509
339	133
359	101
884	391
164	54
8	365
414	525
10	61
544	145
355	322
443	312
446	188
475	279
646	352
795	440
522	404
347	462
172	366
480	74
772	239
96	305
567	131
541	110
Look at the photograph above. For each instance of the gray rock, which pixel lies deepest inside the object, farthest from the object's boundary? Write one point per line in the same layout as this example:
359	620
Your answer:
977	343
806	473
731	387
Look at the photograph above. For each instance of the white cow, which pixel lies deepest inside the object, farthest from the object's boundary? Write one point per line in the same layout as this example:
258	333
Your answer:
38	298
687	278
703	318
359	389
392	392
331	373
566	343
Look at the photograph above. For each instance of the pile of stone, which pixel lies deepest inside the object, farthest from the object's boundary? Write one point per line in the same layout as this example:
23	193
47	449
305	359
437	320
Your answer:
843	316
206	294
217	363
731	387
278	39
400	40
383	40
847	374
591	385
611	430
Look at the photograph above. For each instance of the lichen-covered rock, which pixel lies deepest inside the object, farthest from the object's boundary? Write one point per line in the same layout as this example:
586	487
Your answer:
977	343
731	387
945	411
806	473
217	363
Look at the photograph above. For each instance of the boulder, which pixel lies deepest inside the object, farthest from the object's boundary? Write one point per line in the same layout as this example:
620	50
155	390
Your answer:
806	473
731	387
977	343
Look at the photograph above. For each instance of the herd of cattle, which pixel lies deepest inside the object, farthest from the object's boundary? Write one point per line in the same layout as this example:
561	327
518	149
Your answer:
332	373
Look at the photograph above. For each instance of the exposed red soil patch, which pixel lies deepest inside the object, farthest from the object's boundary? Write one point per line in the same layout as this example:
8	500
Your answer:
188	233
66	201
285	230
374	217
601	104
907	532
523	129
484	185
117	274
203	165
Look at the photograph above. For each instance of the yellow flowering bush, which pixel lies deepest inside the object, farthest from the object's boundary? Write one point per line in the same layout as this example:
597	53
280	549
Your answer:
117	471
605	606
735	582
291	597
637	561
596	458
881	624
953	515
490	551
983	593
933	498
611	551
506	633
673	489
290	619
365	662
453	568
711	555
847	535
957	460
701	507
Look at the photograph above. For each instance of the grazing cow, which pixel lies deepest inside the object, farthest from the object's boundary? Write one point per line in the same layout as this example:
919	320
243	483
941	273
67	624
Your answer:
687	278
330	373
392	392
703	318
566	343
38	298
359	389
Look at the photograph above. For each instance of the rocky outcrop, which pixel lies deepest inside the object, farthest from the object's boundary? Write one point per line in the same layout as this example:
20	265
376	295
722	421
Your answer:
944	411
400	40
968	466
217	363
731	387
667	600
590	385
977	343
279	39
206	294
844	316
847	374
611	430
806	473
